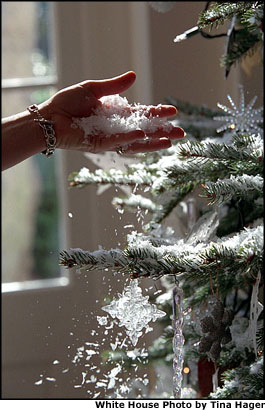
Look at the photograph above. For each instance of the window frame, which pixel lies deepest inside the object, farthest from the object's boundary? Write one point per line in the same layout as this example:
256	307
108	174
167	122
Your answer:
32	83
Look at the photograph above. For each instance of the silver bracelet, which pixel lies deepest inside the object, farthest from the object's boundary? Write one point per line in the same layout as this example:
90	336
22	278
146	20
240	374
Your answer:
48	129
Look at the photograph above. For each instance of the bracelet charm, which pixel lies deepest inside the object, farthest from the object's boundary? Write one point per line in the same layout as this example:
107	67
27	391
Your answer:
48	130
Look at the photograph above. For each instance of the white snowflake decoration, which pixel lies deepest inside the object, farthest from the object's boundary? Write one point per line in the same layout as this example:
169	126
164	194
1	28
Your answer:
242	119
133	311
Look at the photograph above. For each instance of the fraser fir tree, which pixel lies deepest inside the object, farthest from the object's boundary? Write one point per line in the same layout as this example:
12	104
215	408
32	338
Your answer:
219	264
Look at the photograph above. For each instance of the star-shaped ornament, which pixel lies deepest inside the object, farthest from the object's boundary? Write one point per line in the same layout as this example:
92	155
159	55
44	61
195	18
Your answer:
133	311
244	119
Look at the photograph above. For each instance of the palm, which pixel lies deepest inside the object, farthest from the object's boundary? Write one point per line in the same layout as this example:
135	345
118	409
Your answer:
82	99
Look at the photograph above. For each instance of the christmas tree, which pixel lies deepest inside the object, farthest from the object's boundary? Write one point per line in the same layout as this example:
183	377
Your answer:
213	277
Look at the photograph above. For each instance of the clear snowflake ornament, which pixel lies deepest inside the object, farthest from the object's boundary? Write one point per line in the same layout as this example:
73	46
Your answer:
243	119
133	311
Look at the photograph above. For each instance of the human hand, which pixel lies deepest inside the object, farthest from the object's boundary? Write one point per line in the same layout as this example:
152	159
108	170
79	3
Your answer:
83	99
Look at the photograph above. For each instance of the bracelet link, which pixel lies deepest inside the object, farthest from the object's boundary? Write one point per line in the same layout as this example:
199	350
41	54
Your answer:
48	130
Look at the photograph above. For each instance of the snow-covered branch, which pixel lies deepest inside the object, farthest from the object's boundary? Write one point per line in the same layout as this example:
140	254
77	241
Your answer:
143	258
224	189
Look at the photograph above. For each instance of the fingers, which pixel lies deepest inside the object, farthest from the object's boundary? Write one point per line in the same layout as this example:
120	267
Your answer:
111	86
156	140
175	133
115	141
135	141
126	138
161	111
147	146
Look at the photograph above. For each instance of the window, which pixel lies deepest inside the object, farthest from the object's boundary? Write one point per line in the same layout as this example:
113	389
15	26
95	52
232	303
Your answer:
30	204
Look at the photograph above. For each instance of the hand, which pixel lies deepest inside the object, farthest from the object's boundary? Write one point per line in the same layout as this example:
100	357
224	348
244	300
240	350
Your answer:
82	99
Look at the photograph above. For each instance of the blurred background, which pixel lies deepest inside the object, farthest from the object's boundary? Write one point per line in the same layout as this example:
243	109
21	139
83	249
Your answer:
47	311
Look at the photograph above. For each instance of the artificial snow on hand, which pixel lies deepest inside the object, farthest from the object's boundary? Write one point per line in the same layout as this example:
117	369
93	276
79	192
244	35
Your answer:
117	116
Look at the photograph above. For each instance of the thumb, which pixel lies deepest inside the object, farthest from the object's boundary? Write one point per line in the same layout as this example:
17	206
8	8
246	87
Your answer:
111	86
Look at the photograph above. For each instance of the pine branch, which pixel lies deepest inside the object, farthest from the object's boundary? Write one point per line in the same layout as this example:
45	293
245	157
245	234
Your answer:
244	44
240	41
199	171
253	18
217	151
136	201
239	186
245	382
85	177
204	161
252	142
196	172
143	259
220	12
234	357
207	161
100	259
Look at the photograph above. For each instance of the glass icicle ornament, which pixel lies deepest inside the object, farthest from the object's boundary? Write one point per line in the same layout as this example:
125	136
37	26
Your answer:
178	341
244	119
133	311
255	310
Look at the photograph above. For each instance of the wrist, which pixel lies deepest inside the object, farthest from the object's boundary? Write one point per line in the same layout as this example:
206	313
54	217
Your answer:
48	112
47	129
21	138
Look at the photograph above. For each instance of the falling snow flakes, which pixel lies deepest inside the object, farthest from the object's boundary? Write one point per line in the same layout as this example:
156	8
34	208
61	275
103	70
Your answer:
90	353
55	362
116	115
50	379
102	320
137	354
80	354
133	311
112	376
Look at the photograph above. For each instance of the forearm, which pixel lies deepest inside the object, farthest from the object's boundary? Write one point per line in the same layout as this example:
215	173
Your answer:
22	137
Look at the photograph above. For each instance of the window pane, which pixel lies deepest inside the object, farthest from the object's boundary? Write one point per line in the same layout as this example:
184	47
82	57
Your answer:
30	227
26	39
